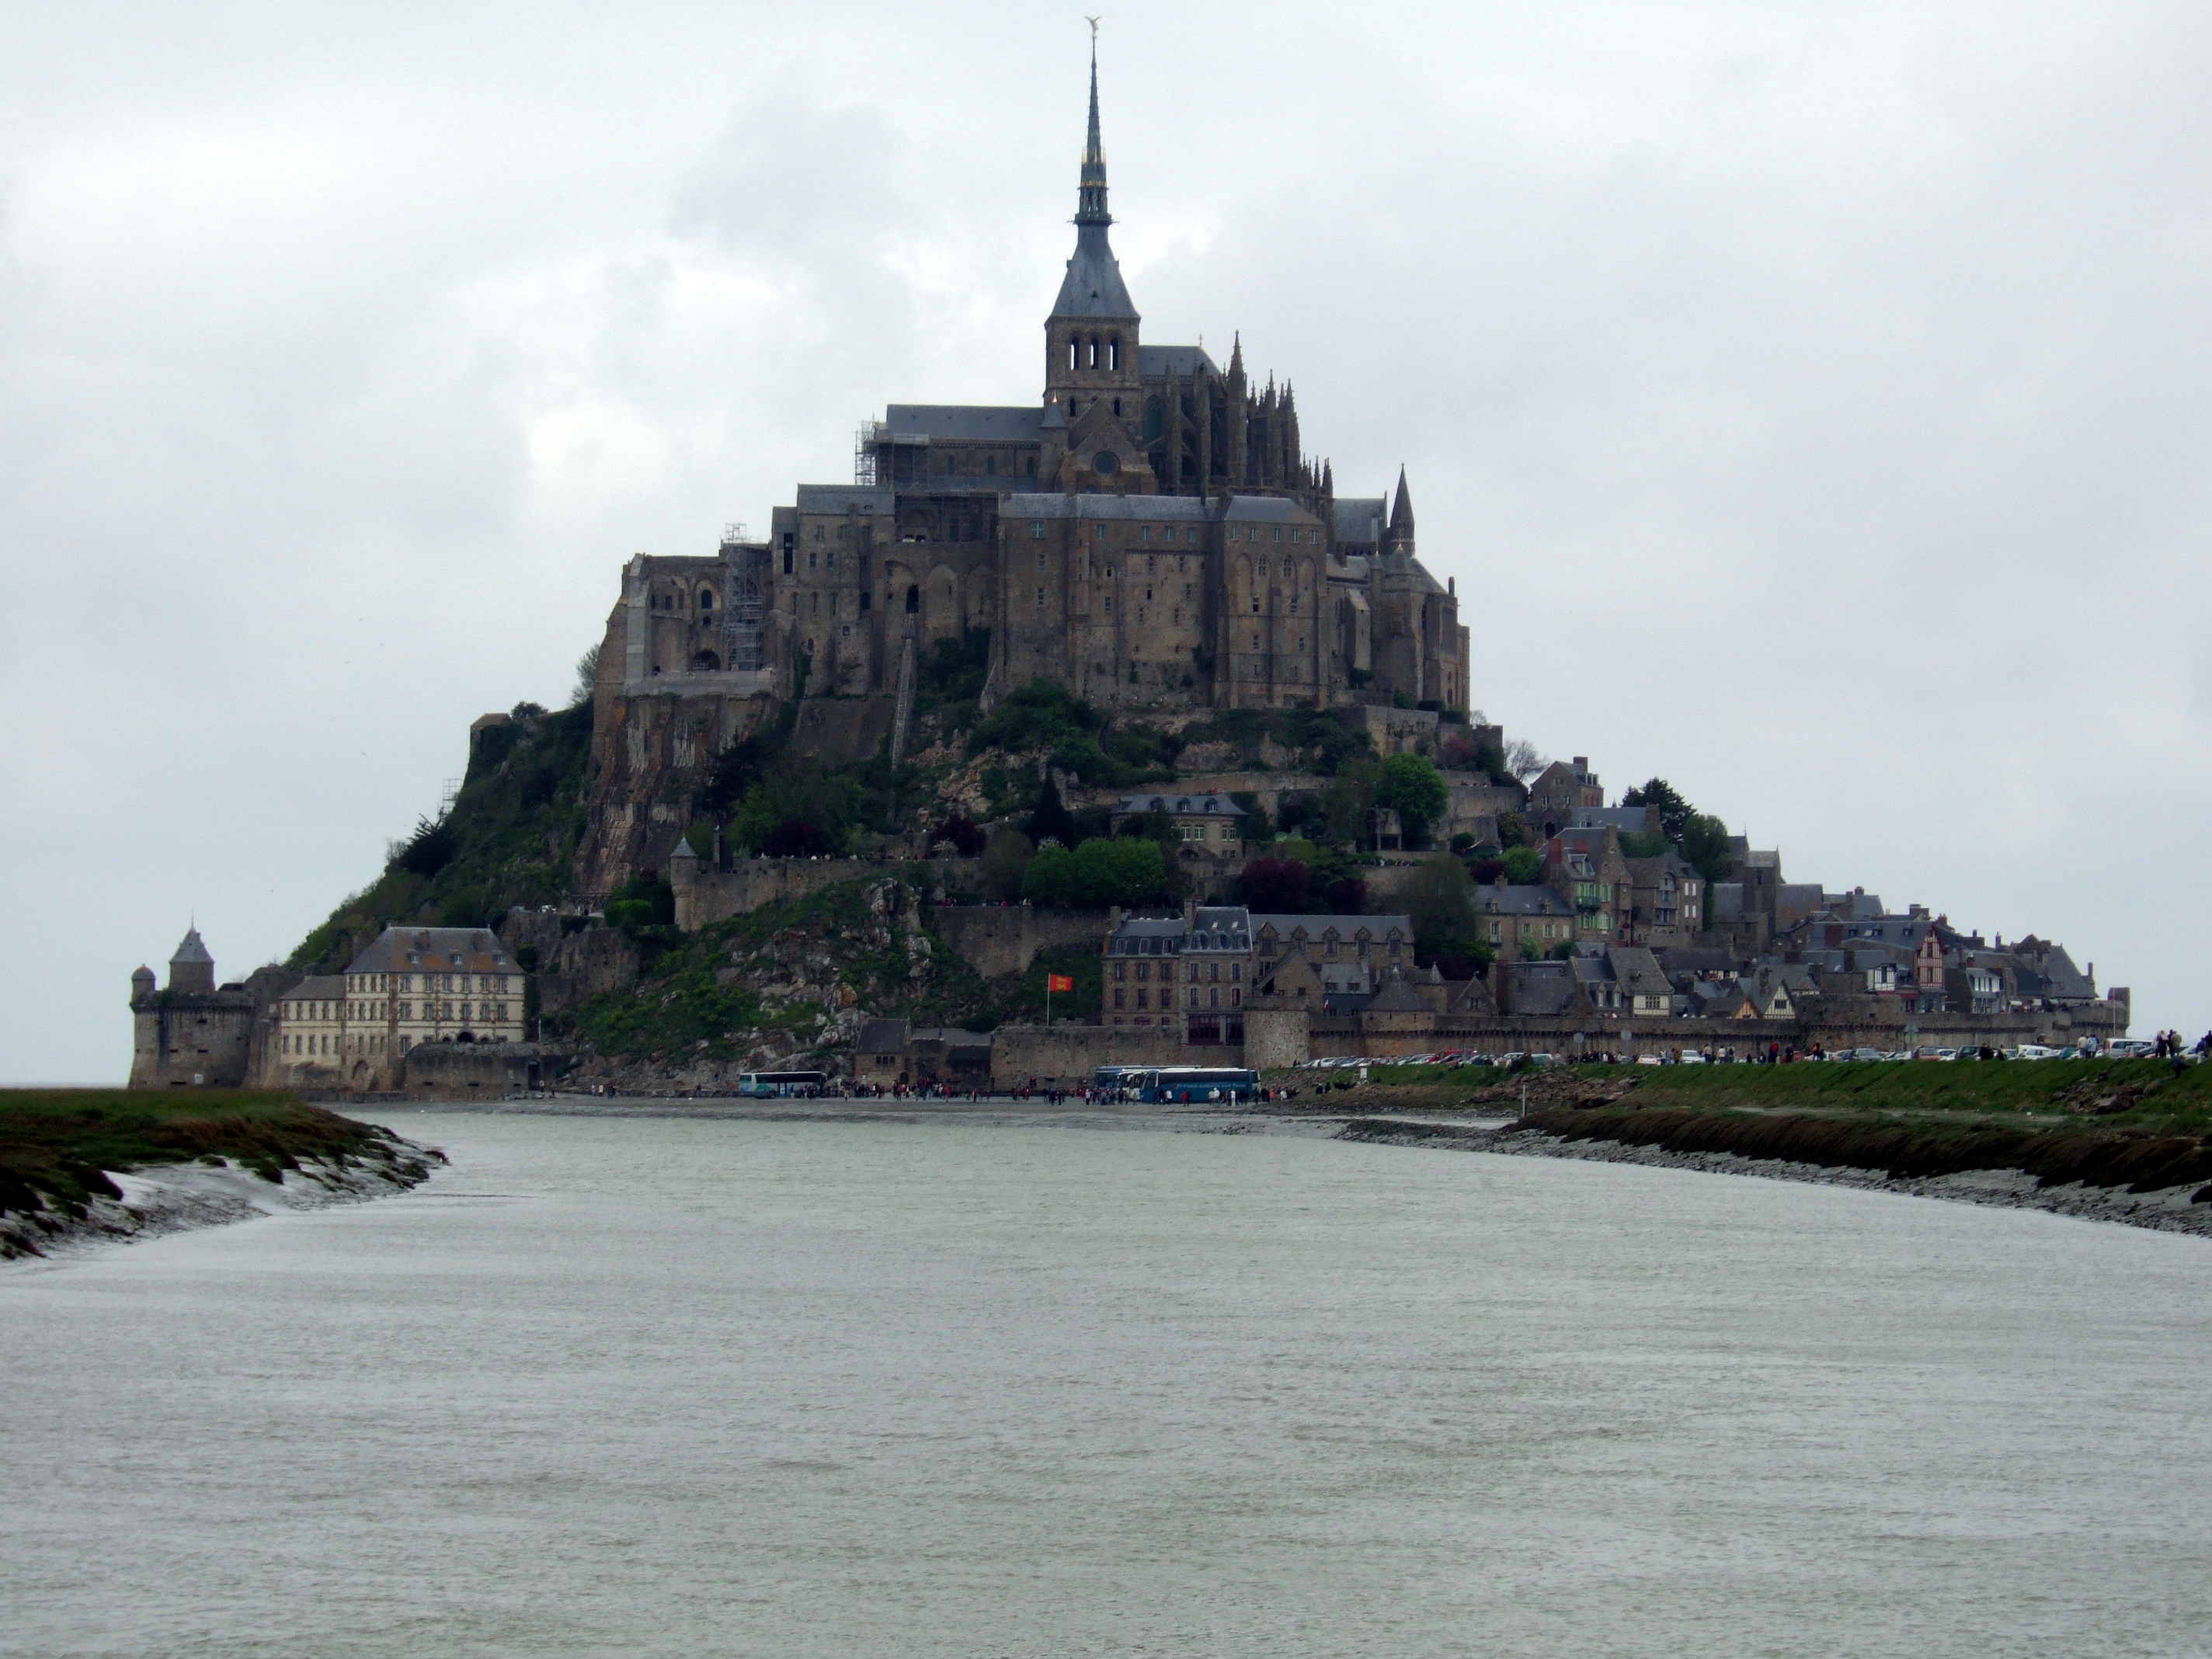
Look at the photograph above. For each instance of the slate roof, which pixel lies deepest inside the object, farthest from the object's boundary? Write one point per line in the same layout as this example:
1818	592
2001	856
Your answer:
1360	519
317	988
433	950
1397	998
1637	972
1183	806
966	423
1153	362
1093	286
1541	987
1629	820
881	1036
192	949
1531	901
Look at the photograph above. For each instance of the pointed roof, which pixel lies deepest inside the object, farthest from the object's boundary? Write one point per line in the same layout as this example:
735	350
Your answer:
1401	510
683	848
1093	285
191	949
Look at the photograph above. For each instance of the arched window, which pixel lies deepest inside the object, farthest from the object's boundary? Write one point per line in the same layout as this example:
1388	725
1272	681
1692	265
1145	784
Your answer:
1114	356
1155	425
705	663
913	600
1071	362
1094	351
706	598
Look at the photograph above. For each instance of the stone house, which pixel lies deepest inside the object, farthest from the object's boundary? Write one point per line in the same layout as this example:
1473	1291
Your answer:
1557	793
1211	822
879	1053
1666	901
1586	866
1523	922
1193	974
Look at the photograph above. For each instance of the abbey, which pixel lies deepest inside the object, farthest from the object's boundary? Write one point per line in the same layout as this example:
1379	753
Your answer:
1150	534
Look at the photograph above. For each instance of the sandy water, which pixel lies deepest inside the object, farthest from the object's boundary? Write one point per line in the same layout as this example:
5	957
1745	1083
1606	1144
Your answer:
666	1387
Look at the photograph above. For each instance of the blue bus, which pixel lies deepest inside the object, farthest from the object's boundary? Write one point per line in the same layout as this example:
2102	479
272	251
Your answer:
775	1086
1192	1084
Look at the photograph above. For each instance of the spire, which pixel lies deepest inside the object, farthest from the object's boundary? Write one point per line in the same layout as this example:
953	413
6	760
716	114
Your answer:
1090	197
1401	513
1093	285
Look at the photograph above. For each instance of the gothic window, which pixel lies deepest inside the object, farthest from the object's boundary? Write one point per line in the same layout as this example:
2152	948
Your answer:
1094	351
1071	354
1114	360
706	598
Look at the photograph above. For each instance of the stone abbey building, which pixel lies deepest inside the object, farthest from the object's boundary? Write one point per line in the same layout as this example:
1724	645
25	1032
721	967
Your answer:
1150	534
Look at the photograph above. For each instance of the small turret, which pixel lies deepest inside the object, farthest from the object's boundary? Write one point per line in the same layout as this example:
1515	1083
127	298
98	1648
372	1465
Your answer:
193	969
142	985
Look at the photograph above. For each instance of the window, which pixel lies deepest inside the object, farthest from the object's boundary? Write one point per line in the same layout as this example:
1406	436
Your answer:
1040	598
1144	998
1121	999
818	537
1109	605
813	560
1191	534
1040	563
1114	362
1036	529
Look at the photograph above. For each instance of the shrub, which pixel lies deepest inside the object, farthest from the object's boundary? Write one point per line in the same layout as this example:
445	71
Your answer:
641	902
967	837
1277	886
1486	871
1005	861
1097	873
429	849
795	838
1524	867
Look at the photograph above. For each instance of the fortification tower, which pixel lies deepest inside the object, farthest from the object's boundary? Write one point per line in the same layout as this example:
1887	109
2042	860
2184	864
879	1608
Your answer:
192	969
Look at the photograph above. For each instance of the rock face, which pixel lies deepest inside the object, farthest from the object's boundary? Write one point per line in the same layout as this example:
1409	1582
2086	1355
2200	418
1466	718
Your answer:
650	755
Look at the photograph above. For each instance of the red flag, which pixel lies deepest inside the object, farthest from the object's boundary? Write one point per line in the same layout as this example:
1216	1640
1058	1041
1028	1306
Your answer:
1059	981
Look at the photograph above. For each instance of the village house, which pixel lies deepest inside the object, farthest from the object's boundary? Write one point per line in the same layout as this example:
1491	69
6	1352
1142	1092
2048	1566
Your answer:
1213	822
1586	867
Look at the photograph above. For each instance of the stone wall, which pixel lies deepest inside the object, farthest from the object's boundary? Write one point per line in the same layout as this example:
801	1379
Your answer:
479	1070
585	965
996	939
705	897
1068	1055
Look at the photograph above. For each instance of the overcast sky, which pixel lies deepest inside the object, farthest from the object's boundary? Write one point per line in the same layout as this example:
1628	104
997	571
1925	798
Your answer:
1811	402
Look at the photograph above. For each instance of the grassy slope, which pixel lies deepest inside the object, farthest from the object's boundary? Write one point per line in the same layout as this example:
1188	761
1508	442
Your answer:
515	825
54	1143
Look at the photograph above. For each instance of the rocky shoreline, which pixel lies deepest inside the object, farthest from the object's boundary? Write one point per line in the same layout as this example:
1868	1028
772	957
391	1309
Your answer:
2170	1209
170	1198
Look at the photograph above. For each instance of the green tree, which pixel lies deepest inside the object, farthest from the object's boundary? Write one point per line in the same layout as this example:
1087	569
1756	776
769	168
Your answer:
1440	901
1410	787
1101	871
1524	867
1005	861
1705	844
1052	821
1511	832
1674	810
587	677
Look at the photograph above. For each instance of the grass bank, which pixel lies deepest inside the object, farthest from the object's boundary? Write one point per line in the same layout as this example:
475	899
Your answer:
2062	1094
56	1144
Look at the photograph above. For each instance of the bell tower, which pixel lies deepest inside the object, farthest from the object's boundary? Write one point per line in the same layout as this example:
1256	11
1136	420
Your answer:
1091	338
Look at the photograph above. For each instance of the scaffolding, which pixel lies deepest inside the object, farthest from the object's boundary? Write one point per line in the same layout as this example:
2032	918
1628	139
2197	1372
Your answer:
744	600
866	437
